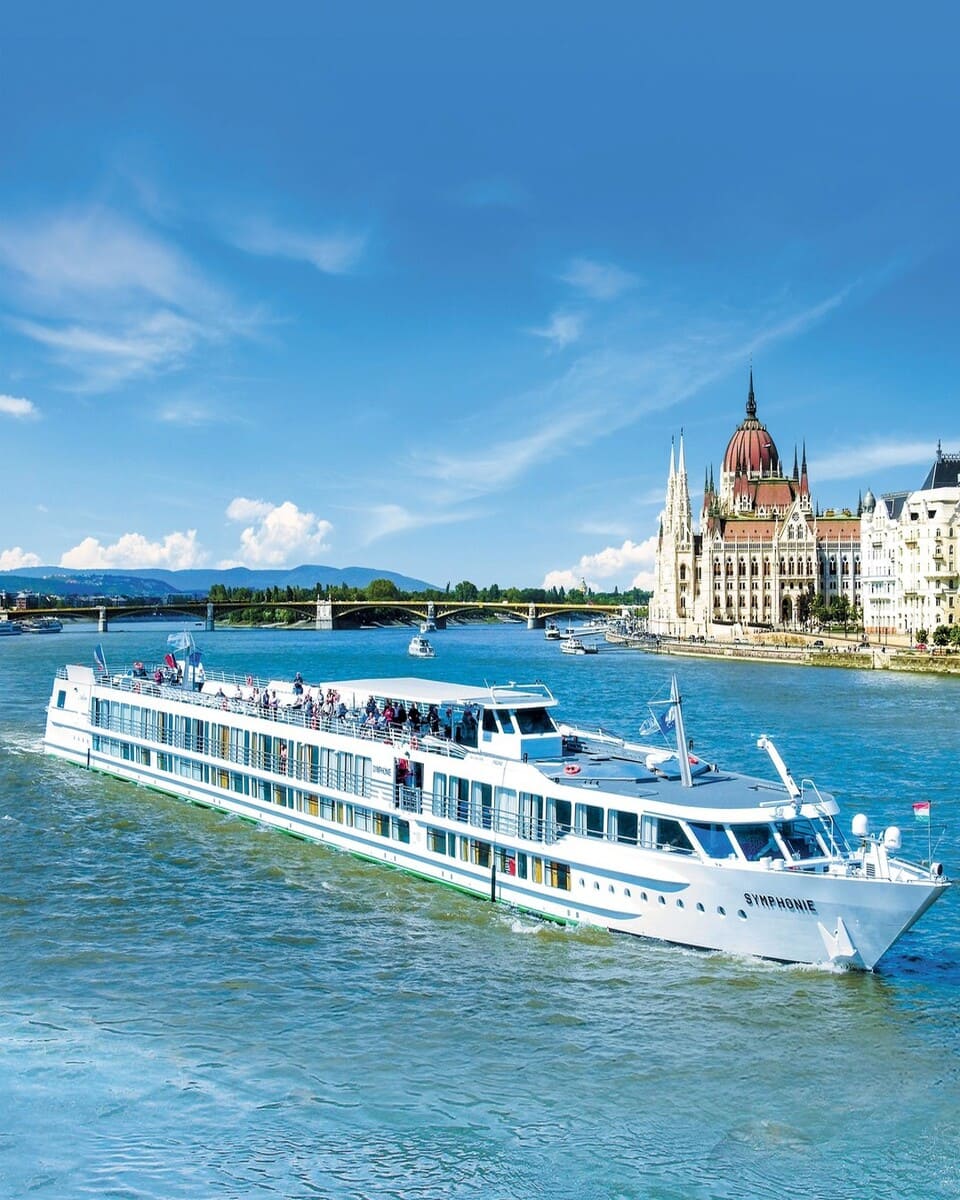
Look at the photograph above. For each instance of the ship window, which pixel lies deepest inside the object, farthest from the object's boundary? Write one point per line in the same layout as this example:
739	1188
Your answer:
482	805
522	866
506	722
401	830
535	720
61	698
559	875
623	826
489	721
481	853
563	815
757	841
531	816
670	835
437	841
713	839
590	820
800	837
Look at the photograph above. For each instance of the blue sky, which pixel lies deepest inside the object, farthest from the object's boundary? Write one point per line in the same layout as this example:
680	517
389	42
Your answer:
430	288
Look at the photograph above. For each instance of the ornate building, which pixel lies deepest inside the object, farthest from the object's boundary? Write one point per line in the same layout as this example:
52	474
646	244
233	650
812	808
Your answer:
911	548
762	552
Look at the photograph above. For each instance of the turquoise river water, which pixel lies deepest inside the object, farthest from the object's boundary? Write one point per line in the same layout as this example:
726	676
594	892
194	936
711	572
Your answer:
194	1007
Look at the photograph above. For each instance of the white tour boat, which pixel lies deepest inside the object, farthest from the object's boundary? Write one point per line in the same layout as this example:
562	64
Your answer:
42	625
480	788
420	647
9	628
575	645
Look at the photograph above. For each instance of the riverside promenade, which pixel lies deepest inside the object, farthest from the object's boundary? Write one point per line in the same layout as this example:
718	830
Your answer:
836	652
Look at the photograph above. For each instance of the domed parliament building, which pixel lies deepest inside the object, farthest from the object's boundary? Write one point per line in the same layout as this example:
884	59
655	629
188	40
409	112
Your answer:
762	551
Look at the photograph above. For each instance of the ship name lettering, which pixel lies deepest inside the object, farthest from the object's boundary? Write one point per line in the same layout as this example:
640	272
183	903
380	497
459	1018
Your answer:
757	900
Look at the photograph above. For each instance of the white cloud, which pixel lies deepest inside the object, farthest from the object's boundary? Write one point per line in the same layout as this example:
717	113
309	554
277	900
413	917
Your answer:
279	533
599	281
176	552
629	565
112	301
857	462
242	509
12	560
562	330
15	406
331	253
385	519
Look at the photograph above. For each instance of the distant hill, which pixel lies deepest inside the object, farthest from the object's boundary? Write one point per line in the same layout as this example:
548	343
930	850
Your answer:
61	581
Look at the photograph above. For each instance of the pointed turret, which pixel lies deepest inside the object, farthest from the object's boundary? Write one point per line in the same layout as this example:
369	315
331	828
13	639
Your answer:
751	399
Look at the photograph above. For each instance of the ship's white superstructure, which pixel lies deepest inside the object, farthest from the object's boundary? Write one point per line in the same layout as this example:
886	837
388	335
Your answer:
482	789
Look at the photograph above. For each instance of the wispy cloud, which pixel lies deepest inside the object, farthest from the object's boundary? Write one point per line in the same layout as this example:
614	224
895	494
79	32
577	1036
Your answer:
15	558
597	280
109	299
16	406
336	253
601	392
386	519
176	552
858	461
563	329
276	533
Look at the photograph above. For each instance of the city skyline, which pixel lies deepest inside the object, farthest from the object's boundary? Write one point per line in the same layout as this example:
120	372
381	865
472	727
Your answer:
434	293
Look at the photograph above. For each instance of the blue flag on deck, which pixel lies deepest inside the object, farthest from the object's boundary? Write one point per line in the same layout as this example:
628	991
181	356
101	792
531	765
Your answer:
99	659
664	723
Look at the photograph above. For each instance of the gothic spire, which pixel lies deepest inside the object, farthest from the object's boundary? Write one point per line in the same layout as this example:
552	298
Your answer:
751	399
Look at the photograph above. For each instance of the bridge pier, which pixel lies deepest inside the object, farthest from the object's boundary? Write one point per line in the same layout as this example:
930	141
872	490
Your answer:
208	624
101	620
533	621
324	614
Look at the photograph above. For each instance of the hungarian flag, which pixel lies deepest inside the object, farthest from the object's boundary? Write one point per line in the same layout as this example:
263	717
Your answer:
170	661
921	810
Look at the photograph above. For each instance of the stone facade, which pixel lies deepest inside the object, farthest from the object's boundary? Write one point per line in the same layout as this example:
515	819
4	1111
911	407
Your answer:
911	551
761	552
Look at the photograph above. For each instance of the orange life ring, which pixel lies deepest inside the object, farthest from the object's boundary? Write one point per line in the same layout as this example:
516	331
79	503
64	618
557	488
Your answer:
571	769
136	686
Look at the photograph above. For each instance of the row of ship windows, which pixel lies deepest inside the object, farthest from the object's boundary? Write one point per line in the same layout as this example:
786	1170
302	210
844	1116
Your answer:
508	862
721	911
354	815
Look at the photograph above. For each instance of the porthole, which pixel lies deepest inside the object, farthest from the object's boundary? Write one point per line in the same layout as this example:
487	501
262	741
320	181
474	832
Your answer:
662	899
679	904
643	896
596	885
721	911
741	914
582	882
611	889
699	906
626	891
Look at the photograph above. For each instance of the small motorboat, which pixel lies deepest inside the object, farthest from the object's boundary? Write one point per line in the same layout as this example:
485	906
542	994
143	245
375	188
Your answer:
551	632
420	647
575	645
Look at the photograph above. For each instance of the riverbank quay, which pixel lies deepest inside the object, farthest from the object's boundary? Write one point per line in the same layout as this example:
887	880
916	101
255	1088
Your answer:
847	656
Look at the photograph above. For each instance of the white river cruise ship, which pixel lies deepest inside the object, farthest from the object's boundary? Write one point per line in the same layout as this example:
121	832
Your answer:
483	789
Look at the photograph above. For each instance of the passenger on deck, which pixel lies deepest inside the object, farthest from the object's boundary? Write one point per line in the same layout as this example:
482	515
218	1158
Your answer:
388	713
433	719
308	706
158	676
298	684
371	706
413	716
468	726
400	716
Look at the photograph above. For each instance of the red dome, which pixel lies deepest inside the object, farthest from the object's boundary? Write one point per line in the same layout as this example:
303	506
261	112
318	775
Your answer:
751	448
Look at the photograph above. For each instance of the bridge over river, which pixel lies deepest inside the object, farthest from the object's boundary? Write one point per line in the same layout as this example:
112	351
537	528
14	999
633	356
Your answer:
328	614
